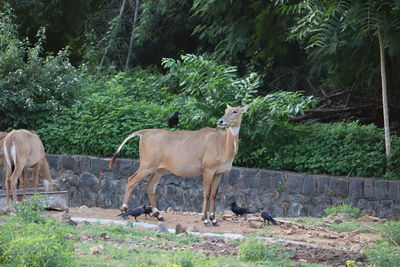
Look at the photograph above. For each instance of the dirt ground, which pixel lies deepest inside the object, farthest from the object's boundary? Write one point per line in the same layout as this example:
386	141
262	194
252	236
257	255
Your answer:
232	224
314	244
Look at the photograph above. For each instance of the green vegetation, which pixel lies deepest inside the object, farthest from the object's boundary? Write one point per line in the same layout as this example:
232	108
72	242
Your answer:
30	210
28	239
34	87
345	208
383	252
255	251
89	109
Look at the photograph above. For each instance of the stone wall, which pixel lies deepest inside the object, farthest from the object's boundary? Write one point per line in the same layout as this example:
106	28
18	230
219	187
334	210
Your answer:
90	182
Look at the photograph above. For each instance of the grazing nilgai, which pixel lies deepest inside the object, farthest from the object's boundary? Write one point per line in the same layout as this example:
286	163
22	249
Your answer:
23	149
209	152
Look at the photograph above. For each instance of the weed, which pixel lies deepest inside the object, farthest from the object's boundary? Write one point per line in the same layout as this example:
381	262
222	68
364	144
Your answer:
383	255
344	208
256	251
391	232
30	209
25	243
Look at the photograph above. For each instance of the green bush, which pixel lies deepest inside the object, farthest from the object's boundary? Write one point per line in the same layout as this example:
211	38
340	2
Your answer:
32	244
111	107
344	208
30	209
33	87
255	251
347	149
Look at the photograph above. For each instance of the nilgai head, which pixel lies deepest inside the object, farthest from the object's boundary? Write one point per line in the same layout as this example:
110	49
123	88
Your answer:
232	117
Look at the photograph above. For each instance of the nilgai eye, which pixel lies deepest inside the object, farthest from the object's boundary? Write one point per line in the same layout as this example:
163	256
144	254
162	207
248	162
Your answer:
234	111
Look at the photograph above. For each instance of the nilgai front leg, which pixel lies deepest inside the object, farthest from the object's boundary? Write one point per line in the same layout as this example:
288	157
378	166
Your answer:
213	196
207	181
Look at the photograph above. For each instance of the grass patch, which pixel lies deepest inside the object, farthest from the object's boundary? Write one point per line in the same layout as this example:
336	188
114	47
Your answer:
42	243
348	225
384	255
345	208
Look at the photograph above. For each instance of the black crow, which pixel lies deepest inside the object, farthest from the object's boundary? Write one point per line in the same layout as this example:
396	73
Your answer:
174	120
267	217
134	212
238	210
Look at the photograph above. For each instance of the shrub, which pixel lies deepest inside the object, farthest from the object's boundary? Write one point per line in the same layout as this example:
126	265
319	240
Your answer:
344	208
30	209
113	107
32	244
184	258
257	251
33	87
342	148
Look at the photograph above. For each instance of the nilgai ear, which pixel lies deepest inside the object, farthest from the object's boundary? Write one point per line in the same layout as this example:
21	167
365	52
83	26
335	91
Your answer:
227	106
244	109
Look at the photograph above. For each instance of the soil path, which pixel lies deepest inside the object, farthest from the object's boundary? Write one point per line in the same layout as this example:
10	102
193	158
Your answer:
286	230
316	244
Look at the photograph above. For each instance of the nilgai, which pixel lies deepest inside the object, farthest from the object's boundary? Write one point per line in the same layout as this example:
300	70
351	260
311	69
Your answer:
207	151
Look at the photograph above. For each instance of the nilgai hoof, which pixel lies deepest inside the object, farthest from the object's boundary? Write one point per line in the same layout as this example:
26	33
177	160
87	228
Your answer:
160	219
215	223
123	209
207	223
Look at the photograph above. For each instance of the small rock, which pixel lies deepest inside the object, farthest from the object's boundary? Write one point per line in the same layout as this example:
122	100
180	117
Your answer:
133	250
338	220
140	228
69	236
255	224
170	210
299	220
254	218
78	251
182	234
83	208
3	211
85	237
371	212
179	228
128	240
343	215
194	228
290	232
368	218
356	248
97	250
104	235
65	217
227	214
162	228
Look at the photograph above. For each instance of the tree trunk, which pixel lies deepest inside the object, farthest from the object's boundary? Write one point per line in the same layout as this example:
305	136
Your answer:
132	34
121	11
384	99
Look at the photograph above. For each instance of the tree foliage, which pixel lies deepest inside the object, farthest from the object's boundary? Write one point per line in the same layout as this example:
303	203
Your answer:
33	87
